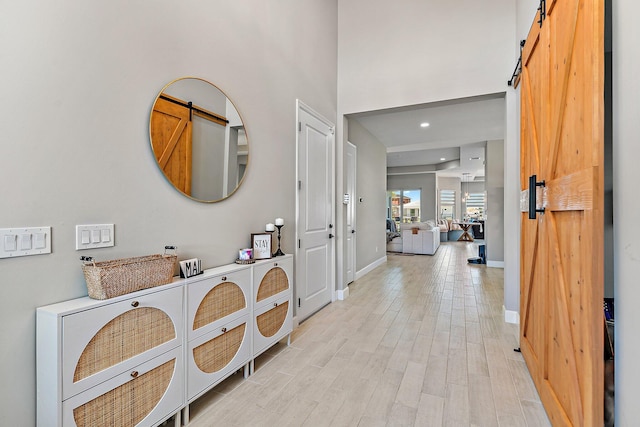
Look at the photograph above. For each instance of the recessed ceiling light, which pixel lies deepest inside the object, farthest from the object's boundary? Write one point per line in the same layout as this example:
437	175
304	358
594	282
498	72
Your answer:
424	125
442	159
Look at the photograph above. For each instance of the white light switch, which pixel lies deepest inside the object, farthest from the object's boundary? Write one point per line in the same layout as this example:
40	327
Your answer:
25	241
94	236
39	240
10	242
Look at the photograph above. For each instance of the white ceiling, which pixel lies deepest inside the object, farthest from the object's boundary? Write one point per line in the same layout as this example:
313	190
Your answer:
457	131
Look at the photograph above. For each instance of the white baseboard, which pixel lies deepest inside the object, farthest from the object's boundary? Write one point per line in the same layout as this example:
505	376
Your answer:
511	316
495	264
343	294
296	322
368	268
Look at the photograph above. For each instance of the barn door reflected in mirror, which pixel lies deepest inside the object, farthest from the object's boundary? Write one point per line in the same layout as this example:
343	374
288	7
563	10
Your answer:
198	139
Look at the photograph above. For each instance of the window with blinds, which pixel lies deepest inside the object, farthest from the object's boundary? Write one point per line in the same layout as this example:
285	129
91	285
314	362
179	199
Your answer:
475	205
447	204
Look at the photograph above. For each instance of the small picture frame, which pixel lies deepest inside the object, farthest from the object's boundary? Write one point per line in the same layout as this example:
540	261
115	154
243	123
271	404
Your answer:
261	245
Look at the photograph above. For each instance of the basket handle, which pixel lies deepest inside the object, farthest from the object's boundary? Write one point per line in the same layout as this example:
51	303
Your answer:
171	248
88	259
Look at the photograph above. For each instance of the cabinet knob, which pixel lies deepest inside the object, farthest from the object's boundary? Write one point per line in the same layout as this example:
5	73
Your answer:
224	330
275	264
224	278
134	374
275	304
135	303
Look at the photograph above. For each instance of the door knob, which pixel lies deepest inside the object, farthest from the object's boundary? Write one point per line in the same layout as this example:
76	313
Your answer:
330	236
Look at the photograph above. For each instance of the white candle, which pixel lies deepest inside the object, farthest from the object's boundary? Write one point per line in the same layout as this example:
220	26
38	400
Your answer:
279	221
270	227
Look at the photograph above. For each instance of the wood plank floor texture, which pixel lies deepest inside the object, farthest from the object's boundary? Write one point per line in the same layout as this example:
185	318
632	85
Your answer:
420	341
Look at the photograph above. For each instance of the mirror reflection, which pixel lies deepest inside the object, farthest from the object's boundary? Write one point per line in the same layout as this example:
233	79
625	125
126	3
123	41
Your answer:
198	139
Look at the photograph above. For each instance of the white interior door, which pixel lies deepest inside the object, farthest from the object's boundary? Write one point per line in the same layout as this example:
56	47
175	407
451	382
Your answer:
315	278
350	185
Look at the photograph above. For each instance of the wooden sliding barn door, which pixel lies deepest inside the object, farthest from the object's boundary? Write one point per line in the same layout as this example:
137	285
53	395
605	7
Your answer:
562	263
171	129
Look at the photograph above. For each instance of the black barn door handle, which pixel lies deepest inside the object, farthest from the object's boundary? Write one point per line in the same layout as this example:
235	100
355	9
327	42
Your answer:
533	186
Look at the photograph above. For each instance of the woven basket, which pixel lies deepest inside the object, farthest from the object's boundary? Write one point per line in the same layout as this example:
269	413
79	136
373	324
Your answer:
108	279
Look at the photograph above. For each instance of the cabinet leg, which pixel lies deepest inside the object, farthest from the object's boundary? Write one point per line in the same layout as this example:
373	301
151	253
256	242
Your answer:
247	370
288	340
252	367
177	420
185	415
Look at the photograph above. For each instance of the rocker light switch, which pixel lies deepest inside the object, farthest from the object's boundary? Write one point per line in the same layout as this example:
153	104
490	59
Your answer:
10	242
94	236
24	241
39	240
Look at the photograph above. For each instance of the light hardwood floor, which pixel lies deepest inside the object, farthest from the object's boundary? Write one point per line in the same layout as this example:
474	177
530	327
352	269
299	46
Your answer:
420	341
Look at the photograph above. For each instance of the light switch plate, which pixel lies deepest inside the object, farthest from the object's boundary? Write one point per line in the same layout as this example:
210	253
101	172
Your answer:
94	236
24	241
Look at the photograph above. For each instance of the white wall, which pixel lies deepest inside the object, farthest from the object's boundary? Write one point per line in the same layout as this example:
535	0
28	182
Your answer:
78	79
494	185
422	51
626	151
370	182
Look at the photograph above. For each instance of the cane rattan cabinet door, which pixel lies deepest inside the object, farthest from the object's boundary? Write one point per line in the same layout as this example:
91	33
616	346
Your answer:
217	297
144	396
107	340
214	356
273	305
271	324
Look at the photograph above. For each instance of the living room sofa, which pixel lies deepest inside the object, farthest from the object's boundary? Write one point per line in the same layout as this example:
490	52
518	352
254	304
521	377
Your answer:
443	224
420	238
394	237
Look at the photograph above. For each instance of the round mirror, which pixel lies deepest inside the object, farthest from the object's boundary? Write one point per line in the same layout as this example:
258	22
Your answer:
198	139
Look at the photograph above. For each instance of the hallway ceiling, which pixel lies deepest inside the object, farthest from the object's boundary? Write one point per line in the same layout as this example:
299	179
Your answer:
457	131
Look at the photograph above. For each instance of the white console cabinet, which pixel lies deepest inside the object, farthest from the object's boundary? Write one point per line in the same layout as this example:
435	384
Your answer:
138	359
273	302
219	327
111	362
